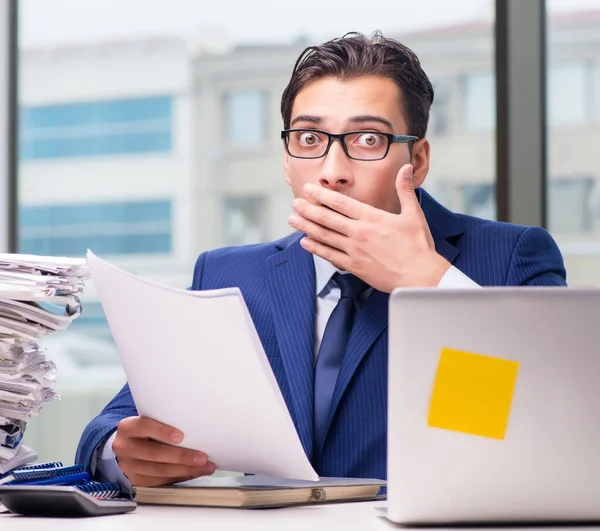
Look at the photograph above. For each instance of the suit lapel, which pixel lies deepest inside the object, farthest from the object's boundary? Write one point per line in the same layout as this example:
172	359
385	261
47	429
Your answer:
444	225
372	320
444	247
370	323
291	284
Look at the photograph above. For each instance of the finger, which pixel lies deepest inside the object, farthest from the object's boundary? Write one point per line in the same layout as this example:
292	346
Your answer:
319	233
343	204
405	188
140	480
311	200
132	466
323	216
158	452
335	256
143	427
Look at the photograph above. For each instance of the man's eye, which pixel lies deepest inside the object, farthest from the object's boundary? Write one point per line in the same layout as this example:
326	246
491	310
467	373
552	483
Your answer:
369	140
308	139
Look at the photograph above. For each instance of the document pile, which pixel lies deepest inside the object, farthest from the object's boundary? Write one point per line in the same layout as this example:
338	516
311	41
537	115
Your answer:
38	296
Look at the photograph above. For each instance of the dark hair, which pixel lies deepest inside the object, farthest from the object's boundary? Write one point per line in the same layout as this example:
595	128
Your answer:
355	55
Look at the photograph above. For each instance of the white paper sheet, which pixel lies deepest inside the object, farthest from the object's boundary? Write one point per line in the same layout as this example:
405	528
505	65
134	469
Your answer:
268	482
23	456
194	361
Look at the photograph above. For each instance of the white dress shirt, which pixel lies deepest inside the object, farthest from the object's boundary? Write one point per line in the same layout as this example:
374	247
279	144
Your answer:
328	295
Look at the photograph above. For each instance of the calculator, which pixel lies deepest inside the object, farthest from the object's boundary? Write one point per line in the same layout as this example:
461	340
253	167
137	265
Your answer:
45	500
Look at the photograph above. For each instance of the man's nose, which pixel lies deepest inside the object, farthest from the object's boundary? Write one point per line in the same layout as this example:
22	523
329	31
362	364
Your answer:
336	171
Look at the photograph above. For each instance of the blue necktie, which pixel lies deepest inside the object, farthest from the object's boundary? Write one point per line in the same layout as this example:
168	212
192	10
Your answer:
332	350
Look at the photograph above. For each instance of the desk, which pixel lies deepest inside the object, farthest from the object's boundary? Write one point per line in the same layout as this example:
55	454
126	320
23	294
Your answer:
363	516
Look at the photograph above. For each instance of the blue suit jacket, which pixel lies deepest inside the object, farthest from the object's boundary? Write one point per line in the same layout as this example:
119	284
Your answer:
278	283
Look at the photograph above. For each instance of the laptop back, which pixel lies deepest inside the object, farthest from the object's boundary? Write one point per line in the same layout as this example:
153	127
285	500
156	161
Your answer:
494	405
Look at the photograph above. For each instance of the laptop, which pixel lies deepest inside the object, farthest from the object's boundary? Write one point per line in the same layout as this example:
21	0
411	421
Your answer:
494	405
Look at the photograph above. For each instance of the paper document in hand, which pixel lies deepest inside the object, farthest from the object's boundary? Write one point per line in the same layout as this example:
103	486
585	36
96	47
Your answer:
193	360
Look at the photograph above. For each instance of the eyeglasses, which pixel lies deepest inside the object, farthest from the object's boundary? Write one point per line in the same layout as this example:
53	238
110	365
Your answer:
358	145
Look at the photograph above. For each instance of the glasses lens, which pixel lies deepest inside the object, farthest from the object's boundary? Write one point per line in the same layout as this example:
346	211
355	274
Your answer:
366	145
307	144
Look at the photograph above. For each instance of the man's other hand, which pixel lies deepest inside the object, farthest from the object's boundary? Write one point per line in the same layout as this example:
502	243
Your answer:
146	453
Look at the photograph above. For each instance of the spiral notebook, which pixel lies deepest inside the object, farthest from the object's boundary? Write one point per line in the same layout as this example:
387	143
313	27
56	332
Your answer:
62	475
54	474
35	466
102	491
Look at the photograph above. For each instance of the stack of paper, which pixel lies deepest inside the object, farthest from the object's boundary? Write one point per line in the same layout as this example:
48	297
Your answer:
38	296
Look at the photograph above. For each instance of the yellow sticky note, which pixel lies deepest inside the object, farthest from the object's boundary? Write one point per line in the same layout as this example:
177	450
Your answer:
472	393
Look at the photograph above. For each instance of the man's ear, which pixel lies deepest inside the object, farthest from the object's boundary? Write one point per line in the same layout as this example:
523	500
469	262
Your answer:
286	166
420	161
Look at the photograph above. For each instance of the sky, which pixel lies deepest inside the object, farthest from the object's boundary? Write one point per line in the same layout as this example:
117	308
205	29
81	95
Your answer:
50	23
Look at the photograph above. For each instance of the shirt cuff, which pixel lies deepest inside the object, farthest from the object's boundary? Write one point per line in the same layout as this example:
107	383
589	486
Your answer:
107	467
455	278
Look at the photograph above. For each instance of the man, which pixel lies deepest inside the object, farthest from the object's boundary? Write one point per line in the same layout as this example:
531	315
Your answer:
355	114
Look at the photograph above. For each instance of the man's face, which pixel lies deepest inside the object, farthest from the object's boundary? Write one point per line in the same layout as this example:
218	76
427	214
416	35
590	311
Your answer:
367	103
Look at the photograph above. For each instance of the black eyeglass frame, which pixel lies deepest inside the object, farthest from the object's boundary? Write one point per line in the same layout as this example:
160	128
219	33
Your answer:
399	139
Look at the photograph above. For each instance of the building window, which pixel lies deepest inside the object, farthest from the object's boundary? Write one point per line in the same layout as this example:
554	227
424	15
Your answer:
245	220
246	118
104	228
96	128
569	200
479	200
439	116
479	101
570	93
92	320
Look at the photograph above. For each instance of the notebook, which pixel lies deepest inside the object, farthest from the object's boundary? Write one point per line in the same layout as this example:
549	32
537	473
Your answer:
34	466
55	474
260	491
101	491
51	475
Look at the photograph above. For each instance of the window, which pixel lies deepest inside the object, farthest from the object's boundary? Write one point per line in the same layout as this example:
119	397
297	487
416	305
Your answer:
573	116
439	116
479	200
105	228
245	220
95	128
479	101
570	93
92	319
571	205
246	118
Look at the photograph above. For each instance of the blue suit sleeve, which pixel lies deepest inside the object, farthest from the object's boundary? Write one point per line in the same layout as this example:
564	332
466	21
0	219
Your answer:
536	261
198	272
101	427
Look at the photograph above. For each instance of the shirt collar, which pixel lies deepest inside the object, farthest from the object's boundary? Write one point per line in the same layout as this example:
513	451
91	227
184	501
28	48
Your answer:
324	270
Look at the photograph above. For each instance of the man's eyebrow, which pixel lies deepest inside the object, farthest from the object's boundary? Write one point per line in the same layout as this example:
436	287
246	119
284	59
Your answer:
307	118
318	120
370	118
